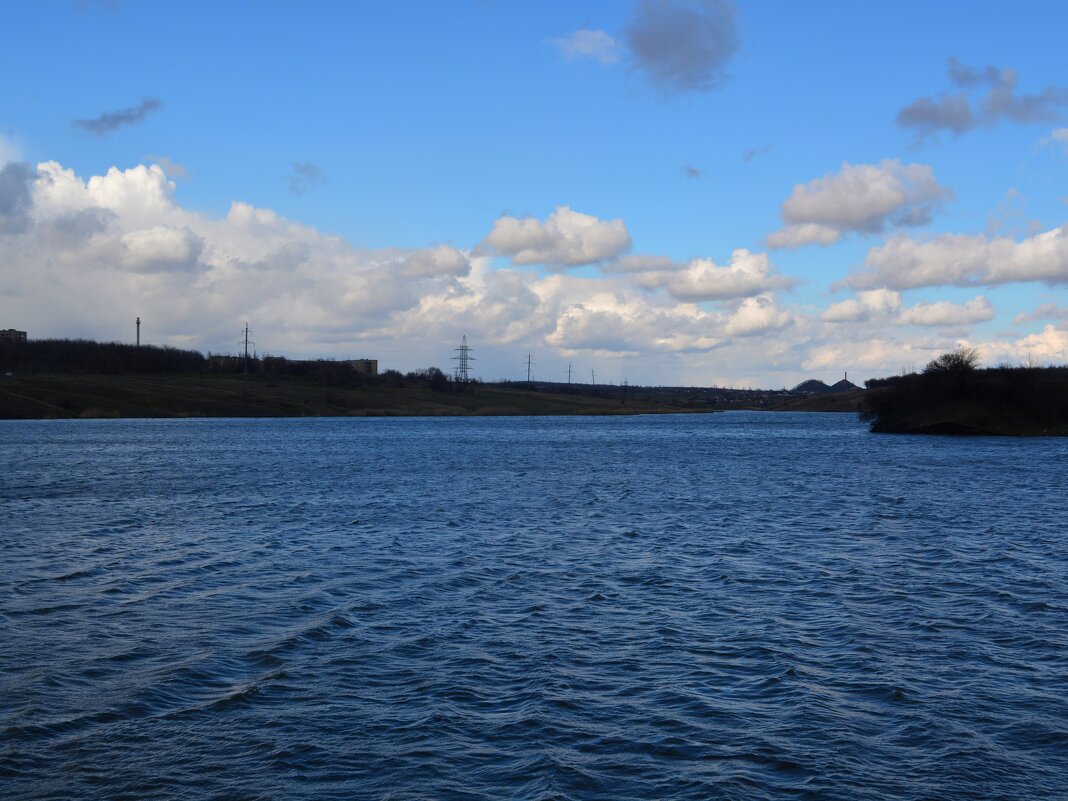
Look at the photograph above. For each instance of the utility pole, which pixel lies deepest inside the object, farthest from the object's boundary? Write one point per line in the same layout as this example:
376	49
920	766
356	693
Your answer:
138	332
247	341
462	359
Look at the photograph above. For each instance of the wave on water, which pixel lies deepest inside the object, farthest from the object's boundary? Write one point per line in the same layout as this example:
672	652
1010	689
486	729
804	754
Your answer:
738	606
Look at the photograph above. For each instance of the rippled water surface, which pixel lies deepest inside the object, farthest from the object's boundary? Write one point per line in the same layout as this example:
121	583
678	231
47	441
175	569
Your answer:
741	605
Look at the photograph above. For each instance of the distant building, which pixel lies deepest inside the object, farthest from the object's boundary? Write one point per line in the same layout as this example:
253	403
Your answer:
365	366
11	335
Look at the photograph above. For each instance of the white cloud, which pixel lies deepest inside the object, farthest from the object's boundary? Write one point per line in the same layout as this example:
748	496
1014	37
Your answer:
944	313
965	260
1048	347
567	238
879	355
161	247
615	323
863	198
436	261
757	315
586	43
747	275
141	190
868	305
120	241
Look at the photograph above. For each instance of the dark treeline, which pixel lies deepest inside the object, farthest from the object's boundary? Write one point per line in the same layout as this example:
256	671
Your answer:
86	357
953	396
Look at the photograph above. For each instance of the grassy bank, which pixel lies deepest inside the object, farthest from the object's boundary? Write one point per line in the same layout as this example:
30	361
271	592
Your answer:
849	402
198	395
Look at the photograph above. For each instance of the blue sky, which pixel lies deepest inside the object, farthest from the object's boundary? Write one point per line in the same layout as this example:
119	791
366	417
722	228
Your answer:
386	141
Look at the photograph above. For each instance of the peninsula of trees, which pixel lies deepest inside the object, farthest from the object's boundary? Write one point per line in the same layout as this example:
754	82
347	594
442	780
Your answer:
954	396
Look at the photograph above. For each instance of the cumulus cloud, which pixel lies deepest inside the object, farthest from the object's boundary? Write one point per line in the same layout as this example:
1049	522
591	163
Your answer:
747	275
110	121
757	315
960	113
1049	346
879	354
120	240
683	45
161	247
305	175
566	239
943	313
965	260
874	304
616	323
595	45
15	197
863	198
432	262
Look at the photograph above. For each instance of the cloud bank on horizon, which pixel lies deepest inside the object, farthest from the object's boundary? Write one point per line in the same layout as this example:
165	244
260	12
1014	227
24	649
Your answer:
66	238
765	265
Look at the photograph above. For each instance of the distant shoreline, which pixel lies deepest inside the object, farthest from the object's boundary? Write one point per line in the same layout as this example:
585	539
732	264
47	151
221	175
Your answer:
52	396
65	396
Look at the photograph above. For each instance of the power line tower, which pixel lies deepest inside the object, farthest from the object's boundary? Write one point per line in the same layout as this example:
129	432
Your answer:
569	378
247	342
530	367
463	358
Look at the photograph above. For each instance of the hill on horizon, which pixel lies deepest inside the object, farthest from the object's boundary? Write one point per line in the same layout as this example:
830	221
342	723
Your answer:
814	385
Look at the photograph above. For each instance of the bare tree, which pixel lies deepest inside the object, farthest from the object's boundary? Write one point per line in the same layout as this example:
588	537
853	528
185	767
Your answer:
961	360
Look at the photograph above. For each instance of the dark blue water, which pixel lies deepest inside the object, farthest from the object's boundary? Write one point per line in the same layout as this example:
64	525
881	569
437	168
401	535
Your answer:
737	606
